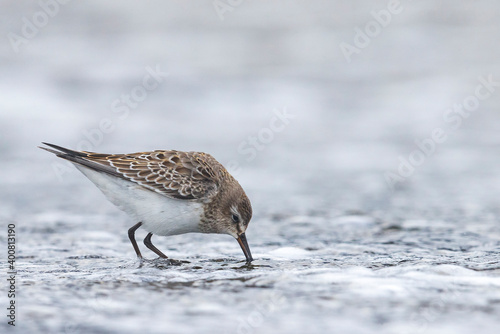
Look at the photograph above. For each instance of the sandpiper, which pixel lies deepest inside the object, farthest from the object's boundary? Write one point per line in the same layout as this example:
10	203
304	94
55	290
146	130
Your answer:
168	192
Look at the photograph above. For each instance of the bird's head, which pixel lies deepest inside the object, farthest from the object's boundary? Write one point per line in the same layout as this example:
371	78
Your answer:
234	215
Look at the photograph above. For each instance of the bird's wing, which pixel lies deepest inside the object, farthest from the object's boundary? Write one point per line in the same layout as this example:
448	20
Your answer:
175	174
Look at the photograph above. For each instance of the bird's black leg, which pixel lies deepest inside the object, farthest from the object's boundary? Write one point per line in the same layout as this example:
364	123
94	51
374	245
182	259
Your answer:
131	235
149	244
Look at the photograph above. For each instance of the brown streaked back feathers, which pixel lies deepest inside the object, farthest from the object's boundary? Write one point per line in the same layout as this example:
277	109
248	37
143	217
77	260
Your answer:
175	174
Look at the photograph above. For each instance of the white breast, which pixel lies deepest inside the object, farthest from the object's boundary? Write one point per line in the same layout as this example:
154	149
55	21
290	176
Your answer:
159	214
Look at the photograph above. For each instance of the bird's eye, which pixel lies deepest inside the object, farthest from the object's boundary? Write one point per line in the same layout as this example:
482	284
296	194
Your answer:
236	219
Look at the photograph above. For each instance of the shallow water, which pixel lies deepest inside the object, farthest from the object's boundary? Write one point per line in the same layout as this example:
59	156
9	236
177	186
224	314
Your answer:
336	249
369	275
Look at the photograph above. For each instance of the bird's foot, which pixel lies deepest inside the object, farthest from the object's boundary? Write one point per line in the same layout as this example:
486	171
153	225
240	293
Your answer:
169	262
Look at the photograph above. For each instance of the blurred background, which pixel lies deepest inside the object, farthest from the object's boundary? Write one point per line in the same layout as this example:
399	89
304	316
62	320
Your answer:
344	121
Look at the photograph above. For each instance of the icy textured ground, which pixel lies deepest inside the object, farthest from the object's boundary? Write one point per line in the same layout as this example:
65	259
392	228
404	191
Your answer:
337	250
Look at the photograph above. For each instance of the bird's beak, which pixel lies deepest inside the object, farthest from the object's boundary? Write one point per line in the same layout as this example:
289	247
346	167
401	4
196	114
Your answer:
242	240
